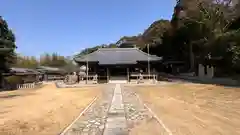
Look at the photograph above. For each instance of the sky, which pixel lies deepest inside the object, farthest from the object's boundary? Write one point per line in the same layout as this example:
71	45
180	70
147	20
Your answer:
68	26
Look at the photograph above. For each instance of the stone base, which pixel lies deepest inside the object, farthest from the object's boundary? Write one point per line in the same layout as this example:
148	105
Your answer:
78	85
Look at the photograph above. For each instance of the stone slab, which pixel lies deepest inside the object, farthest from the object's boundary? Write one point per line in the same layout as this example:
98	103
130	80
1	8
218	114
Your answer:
116	121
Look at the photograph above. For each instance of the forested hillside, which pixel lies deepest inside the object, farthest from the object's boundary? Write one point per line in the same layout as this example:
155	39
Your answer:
200	31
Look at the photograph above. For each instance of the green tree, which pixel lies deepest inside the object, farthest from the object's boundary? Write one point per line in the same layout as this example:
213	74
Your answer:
52	60
26	62
131	41
7	46
154	34
199	23
45	59
112	45
71	66
92	49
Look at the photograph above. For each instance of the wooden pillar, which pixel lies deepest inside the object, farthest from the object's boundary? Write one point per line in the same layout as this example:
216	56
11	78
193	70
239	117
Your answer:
36	77
95	78
128	75
107	76
45	77
95	69
87	73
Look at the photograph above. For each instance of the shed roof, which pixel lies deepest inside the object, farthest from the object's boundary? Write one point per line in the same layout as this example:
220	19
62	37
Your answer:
48	68
112	56
45	69
23	71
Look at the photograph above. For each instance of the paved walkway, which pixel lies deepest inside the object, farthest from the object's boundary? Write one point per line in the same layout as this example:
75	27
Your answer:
92	122
115	113
116	121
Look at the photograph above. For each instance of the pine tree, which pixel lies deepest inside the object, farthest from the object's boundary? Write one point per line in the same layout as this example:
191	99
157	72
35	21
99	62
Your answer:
7	46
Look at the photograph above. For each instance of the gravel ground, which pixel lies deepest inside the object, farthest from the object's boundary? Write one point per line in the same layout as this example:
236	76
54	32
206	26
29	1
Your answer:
92	122
138	116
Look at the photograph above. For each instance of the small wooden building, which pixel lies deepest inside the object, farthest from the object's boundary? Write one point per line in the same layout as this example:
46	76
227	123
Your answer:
51	73
18	78
112	64
23	72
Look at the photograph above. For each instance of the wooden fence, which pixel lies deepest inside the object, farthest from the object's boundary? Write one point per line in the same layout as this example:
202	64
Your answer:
26	86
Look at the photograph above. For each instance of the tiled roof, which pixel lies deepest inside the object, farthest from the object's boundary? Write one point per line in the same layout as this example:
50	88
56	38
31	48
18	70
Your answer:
23	71
50	69
111	56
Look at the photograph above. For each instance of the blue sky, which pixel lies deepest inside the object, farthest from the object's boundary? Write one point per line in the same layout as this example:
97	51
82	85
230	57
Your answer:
68	26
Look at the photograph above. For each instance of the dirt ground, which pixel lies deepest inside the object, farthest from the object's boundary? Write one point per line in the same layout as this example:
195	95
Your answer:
46	111
150	127
194	109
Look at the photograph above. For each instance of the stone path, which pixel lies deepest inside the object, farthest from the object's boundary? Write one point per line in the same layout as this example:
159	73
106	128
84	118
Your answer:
117	112
135	111
93	120
116	121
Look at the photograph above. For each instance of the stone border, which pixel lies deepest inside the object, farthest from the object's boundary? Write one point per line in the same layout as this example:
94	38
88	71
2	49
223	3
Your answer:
155	116
116	121
142	84
94	118
69	126
62	85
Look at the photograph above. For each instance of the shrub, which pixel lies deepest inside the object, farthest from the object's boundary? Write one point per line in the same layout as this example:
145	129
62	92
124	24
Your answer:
13	80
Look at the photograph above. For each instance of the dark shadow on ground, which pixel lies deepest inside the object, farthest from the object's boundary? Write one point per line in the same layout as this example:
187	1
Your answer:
9	96
214	81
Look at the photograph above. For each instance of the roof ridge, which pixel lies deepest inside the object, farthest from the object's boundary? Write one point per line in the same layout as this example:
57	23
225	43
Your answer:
116	52
117	49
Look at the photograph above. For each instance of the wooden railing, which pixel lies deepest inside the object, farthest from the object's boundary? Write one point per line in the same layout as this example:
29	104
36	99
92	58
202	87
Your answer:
144	76
55	78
